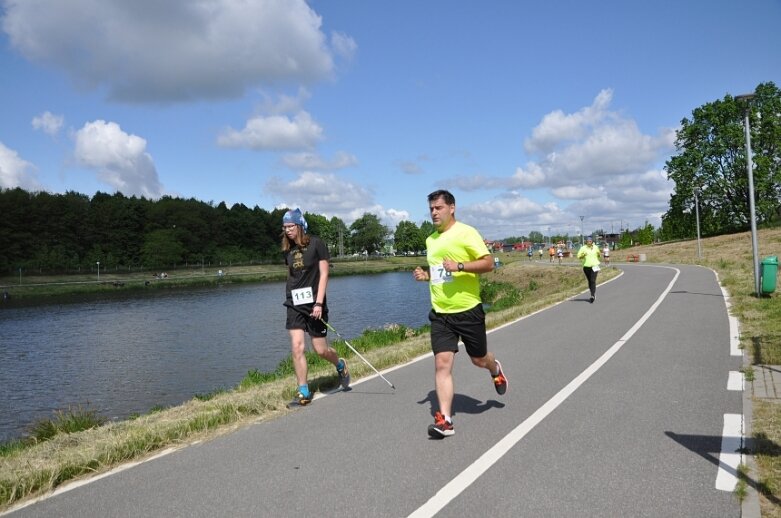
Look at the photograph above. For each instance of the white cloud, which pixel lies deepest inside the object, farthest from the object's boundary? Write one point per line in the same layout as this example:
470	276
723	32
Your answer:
15	171
48	123
596	162
557	127
176	50
329	195
343	45
120	159
274	132
313	161
511	214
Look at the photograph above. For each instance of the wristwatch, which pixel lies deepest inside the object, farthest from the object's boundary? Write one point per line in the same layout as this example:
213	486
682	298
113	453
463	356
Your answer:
460	267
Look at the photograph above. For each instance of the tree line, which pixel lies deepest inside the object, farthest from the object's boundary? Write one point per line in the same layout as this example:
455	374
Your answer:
61	233
71	232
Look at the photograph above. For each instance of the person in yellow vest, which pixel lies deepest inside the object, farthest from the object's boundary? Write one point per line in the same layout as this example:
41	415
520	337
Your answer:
589	255
456	254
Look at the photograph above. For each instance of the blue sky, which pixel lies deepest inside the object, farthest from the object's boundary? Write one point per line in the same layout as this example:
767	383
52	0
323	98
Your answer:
532	113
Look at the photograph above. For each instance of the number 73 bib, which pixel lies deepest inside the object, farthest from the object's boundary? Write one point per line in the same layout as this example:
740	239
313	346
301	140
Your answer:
439	275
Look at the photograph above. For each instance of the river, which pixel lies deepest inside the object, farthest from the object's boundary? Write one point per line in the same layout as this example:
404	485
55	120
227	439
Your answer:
124	357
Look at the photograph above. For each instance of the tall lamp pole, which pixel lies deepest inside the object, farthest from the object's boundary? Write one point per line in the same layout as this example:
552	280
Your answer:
697	212
98	263
749	169
581	230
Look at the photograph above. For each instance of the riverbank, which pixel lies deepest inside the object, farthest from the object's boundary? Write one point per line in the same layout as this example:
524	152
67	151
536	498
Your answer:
32	289
32	469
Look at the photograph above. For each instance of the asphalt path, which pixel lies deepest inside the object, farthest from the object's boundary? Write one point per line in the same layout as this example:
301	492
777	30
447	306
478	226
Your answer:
615	408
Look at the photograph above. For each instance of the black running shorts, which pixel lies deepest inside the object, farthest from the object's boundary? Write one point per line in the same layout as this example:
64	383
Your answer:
469	326
297	320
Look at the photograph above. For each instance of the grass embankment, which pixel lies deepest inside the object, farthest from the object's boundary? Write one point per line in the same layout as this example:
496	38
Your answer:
54	455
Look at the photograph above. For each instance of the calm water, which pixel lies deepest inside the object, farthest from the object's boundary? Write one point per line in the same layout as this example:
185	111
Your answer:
121	357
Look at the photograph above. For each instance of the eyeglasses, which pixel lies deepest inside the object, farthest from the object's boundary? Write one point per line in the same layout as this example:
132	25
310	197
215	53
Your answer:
288	227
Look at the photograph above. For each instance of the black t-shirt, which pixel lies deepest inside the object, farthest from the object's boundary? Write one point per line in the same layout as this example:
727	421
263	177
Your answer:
303	266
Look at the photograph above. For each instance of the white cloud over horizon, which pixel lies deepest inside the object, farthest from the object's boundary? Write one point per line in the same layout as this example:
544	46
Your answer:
326	194
16	172
595	162
119	159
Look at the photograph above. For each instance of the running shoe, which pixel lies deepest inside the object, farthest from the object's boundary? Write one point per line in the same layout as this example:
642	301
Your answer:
441	428
500	381
344	373
301	399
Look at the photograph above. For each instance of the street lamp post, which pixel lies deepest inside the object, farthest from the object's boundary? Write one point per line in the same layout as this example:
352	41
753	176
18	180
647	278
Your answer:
581	230
749	170
98	263
697	212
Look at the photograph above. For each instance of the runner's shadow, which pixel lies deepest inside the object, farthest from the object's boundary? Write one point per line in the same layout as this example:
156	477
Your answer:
463	404
709	448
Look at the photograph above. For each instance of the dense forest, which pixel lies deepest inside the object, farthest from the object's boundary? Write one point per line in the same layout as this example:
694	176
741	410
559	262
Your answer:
70	232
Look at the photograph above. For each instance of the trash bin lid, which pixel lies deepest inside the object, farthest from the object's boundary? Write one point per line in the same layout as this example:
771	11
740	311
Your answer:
773	259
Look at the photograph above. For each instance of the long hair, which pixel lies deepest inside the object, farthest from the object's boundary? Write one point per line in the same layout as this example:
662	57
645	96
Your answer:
301	240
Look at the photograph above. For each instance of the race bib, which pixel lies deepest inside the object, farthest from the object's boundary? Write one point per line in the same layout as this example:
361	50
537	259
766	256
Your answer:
302	296
439	275
595	268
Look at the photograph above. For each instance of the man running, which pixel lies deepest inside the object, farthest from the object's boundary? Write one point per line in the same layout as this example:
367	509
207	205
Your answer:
456	254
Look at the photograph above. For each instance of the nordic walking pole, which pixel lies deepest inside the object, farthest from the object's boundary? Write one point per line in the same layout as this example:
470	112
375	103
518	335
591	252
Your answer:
359	355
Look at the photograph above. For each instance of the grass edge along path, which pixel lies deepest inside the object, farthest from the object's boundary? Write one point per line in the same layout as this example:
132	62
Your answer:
730	256
34	470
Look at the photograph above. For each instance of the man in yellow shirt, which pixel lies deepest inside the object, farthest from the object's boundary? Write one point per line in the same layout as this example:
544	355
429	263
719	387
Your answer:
589	255
456	254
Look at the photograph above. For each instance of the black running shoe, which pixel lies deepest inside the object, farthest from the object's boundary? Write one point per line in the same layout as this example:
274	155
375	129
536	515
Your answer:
441	428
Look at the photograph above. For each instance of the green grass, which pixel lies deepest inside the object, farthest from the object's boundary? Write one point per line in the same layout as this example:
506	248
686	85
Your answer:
75	419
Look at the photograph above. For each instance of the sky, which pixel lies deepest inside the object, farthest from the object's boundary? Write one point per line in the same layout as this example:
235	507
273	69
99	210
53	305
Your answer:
556	117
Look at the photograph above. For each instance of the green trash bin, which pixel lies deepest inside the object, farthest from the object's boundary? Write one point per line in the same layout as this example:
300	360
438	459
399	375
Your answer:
768	272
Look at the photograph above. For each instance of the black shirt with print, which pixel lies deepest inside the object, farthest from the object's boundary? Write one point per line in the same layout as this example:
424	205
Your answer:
303	265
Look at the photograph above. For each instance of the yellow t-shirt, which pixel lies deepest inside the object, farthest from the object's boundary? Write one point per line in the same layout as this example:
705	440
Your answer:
454	292
589	255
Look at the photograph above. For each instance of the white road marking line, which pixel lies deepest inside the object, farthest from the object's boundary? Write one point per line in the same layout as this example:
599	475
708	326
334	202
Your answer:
730	456
734	325
736	381
464	479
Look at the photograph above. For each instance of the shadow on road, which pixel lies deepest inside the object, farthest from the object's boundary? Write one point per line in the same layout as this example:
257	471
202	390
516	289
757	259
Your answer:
462	404
709	447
